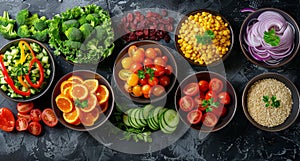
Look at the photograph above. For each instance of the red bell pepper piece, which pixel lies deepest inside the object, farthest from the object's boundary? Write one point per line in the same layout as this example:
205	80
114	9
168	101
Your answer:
41	70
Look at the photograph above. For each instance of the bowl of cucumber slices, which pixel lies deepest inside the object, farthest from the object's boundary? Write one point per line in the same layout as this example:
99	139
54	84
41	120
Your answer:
27	70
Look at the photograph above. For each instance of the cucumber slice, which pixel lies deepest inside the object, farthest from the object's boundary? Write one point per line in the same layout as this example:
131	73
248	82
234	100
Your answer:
146	110
142	118
171	118
126	120
165	128
138	119
156	114
132	120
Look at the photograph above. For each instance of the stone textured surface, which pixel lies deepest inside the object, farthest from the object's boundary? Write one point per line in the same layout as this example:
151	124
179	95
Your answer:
238	141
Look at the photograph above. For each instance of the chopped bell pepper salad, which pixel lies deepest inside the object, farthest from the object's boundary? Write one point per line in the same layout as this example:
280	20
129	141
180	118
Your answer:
25	70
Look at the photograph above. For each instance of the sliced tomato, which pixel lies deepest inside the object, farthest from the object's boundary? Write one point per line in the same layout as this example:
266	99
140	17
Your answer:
7	120
25	116
215	85
203	85
209	119
194	116
191	89
211	94
49	117
24	107
221	111
224	98
198	103
36	114
186	103
35	128
21	124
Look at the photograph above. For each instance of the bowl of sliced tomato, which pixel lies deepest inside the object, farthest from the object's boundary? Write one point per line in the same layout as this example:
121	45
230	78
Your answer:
206	101
145	71
82	100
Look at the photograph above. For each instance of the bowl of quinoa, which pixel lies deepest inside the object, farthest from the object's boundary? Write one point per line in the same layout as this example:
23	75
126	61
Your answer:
271	102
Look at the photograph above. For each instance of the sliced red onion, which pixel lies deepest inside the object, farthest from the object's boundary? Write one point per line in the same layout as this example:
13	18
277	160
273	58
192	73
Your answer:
247	10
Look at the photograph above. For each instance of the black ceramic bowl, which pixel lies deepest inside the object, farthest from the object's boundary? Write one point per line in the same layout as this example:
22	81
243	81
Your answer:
244	46
48	81
295	97
207	76
84	74
144	44
178	47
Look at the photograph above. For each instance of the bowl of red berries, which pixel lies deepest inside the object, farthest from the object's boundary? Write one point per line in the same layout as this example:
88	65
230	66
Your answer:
206	101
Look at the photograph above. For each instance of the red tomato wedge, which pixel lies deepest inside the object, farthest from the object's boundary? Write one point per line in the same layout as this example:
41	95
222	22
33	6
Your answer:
49	117
7	120
24	107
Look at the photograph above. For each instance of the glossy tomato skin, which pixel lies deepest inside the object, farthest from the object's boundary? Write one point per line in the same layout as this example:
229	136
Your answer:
186	103
24	107
49	117
215	85
157	90
154	81
135	67
143	81
7	120
21	124
194	116
158	70
191	89
209	119
224	98
168	70
35	128
203	85
36	114
25	116
164	80
198	103
211	94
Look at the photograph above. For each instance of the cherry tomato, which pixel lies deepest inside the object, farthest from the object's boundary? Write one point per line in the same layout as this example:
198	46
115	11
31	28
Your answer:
146	89
215	85
157	90
25	107
133	80
135	67
191	89
148	62
21	124
209	119
158	51
165	58
158	70
159	61
221	111
186	103
152	82
131	50
138	55
124	74
198	103
49	117
35	128
211	94
168	70
7	120
126	62
137	91
36	114
194	116
25	116
143	81
203	84
164	80
150	53
127	88
224	98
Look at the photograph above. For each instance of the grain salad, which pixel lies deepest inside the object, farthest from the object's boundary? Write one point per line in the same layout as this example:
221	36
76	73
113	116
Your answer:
264	112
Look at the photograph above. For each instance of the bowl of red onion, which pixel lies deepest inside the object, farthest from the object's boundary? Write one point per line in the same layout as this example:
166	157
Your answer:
269	37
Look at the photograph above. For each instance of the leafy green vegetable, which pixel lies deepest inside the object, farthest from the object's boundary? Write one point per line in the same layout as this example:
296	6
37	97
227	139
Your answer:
86	30
273	102
271	38
210	104
73	34
7	26
206	37
68	24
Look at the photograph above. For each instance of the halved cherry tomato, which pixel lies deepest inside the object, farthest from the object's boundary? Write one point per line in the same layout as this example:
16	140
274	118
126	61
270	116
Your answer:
209	119
24	107
194	116
168	70
49	117
224	98
186	103
164	80
203	85
191	89
221	111
157	90
25	116
7	120
124	74
21	124
198	103
35	128
211	94
215	85
152	82
36	114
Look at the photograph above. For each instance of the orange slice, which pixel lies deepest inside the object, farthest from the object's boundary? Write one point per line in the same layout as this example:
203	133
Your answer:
102	94
64	103
86	118
76	79
91	85
92	102
72	117
66	84
66	92
104	106
79	91
95	113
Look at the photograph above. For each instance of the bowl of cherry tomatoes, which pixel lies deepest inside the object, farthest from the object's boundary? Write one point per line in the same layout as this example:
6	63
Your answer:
145	71
206	101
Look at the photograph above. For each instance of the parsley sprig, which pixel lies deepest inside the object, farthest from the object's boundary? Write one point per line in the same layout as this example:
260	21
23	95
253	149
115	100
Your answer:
273	102
271	38
81	104
142	73
206	37
209	104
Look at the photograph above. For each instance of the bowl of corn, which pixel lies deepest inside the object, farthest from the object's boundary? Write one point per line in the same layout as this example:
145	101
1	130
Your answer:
204	37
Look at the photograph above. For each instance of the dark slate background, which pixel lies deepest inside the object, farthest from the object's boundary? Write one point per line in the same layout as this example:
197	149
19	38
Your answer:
238	141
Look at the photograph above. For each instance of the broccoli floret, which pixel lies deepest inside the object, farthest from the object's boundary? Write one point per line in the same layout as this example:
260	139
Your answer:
40	24
41	35
101	33
86	29
22	16
30	21
8	32
82	20
24	32
73	34
72	44
92	45
93	19
68	24
5	20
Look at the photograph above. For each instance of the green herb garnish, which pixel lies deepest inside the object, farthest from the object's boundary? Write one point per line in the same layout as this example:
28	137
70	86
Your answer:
271	38
206	37
271	103
210	104
81	104
142	73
